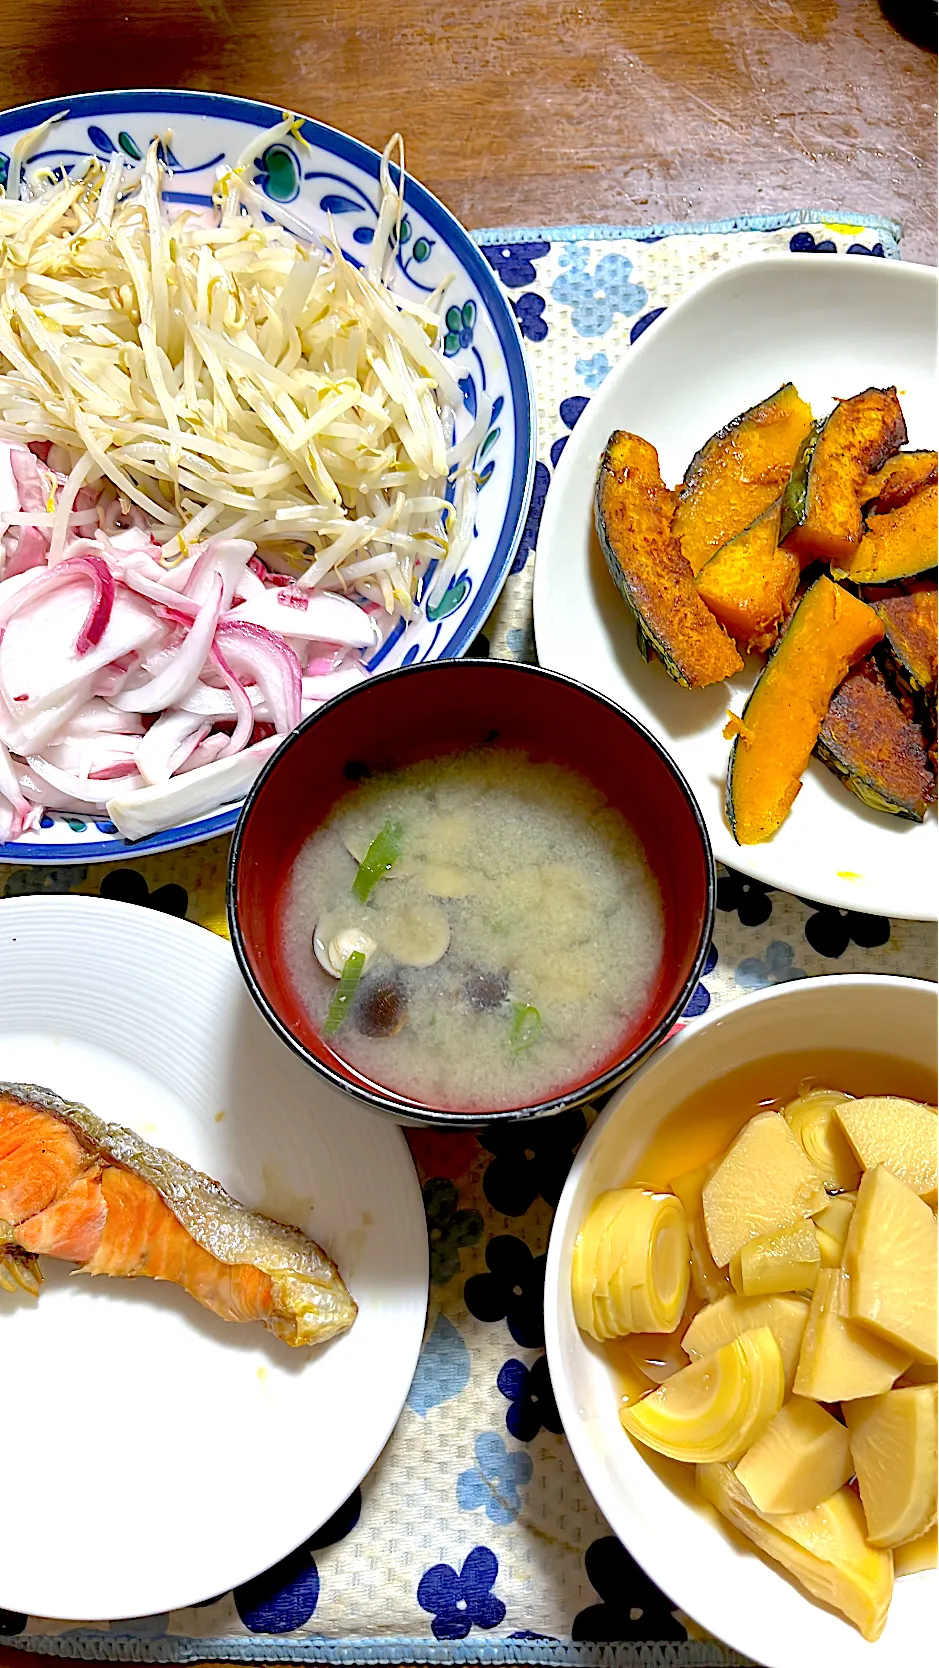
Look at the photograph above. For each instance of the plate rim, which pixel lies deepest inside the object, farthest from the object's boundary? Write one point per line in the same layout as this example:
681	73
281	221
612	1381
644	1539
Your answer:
255	113
77	906
563	485
554	1286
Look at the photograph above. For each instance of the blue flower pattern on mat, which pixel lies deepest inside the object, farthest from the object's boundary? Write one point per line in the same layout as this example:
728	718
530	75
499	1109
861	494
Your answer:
529	310
830	931
458	1602
528	1391
448	1228
514	262
631	1606
285	1596
24	883
530	1161
529	536
749	898
803	243
776	967
595	297
513	1290
495	1480
593	370
570	411
642	325
443	1368
700	999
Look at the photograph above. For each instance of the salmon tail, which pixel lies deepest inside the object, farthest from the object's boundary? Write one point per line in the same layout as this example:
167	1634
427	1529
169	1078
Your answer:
19	1271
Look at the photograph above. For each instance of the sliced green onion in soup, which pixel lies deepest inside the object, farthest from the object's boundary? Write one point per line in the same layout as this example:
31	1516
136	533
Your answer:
348	985
525	1028
382	855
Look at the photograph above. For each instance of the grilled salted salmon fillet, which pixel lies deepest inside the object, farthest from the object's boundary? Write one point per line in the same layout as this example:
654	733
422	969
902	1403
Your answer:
97	1195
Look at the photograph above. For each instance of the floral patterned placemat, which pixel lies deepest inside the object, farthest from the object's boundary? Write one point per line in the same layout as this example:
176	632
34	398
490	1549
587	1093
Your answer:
473	1539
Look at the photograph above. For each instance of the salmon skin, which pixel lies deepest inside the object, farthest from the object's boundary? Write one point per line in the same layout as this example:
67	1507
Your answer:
94	1194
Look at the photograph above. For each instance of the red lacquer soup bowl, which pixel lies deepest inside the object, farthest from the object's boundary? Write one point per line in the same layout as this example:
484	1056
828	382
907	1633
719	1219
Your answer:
446	707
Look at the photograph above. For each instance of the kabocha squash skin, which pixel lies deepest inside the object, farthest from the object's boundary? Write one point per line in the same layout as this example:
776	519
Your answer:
910	639
875	747
898	545
899	479
821	514
829	631
633	515
739	473
750	583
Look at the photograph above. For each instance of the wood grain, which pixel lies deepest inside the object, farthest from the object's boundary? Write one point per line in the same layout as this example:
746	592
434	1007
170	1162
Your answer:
543	112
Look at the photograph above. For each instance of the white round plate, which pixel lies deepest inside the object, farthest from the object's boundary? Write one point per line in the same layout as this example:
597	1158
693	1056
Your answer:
831	326
330	182
164	1455
714	1576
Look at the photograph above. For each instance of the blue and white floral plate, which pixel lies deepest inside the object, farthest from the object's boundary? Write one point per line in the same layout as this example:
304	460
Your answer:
336	179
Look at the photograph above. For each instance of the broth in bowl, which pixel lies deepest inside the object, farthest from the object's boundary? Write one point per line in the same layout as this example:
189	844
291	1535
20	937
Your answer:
474	931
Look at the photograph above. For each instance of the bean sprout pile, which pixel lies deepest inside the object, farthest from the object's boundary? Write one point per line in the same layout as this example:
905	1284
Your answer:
224	461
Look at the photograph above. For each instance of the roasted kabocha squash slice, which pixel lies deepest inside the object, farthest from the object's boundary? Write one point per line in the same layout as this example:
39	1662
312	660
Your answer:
829	631
821	513
899	479
633	512
751	582
897	545
739	473
876	747
910	633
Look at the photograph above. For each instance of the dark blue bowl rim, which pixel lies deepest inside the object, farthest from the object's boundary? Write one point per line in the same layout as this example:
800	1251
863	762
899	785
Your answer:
400	1106
255	113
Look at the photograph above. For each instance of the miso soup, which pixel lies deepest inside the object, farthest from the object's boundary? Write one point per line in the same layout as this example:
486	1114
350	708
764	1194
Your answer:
475	932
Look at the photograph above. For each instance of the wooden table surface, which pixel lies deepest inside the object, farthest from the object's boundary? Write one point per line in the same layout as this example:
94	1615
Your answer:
547	112
544	112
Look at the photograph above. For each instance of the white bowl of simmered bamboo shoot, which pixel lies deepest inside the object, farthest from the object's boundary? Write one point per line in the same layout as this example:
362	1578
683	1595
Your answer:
740	1314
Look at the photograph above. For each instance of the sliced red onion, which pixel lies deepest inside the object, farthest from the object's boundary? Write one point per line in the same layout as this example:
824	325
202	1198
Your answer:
96	718
40	793
225	557
208	702
92	755
156	591
248	585
169	686
270	662
168	743
241	734
28	729
102	602
323	686
144	811
80	789
325	618
207	752
38	657
91	567
25	466
111	772
31	550
22	814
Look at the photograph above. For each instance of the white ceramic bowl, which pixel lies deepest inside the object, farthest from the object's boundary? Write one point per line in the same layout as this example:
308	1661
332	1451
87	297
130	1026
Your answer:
831	326
686	1549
